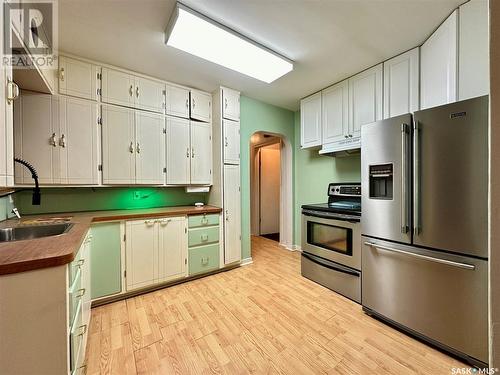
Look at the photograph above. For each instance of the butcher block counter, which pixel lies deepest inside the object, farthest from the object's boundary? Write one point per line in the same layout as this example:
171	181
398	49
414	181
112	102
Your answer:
26	255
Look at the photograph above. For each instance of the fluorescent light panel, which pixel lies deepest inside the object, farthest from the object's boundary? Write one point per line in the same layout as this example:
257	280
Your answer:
198	35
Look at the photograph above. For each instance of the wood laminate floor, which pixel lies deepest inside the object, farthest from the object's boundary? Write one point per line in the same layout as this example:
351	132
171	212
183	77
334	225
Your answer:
263	318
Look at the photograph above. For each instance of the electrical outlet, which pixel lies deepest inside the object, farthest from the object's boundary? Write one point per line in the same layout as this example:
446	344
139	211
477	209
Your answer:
137	194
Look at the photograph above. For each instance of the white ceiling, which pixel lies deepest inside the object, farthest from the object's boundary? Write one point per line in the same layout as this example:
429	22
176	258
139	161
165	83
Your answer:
329	40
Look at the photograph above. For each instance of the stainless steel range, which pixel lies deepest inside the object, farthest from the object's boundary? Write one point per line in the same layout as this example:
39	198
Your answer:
331	240
425	225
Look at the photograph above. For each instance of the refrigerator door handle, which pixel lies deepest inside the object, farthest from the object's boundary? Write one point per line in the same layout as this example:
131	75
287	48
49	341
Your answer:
416	179
423	257
404	178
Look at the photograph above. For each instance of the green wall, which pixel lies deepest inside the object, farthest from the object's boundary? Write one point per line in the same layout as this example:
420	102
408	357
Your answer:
257	116
313	173
105	198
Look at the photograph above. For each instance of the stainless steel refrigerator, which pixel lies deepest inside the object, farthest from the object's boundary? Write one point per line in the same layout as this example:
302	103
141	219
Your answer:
425	225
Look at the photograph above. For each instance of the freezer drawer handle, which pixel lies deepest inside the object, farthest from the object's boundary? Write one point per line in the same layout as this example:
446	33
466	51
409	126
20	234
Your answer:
338	269
424	257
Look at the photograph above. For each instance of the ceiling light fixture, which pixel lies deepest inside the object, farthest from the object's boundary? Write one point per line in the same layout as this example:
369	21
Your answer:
201	36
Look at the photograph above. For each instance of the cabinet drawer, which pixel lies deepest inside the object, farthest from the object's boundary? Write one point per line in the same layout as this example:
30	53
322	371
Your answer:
203	236
204	220
75	295
78	330
203	259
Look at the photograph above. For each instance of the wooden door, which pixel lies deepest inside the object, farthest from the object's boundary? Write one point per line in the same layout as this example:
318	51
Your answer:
149	148
201	153
231	104
172	248
118	145
231	142
177	101
178	151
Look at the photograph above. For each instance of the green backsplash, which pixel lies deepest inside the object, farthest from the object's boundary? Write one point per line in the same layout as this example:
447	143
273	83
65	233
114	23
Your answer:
105	198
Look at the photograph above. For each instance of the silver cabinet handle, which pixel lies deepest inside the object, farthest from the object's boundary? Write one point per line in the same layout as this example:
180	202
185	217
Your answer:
137	92
131	147
204	261
131	90
12	91
81	293
149	222
346	136
404	181
204	237
192	152
423	257
83	330
61	74
227	215
52	140
164	221
350	135
138	148
416	181
226	143
225	103
187	103
62	141
187	152
194	103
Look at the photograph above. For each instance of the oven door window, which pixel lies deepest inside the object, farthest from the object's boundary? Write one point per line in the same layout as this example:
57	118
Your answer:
330	237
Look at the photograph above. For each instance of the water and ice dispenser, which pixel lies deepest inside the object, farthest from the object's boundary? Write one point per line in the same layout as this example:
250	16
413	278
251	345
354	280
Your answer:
381	181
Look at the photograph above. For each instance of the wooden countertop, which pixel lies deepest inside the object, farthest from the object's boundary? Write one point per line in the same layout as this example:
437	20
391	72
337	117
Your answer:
27	255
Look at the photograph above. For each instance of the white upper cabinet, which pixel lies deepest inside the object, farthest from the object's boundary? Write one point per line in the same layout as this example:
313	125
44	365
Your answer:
177	101
117	87
172	248
127	90
78	141
118	145
401	84
201	153
201	106
79	78
149	148
335	111
231	132
365	103
149	95
231	104
438	65
178	151
473	58
310	121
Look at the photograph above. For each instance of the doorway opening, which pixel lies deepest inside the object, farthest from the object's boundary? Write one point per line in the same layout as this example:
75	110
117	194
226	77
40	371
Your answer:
270	187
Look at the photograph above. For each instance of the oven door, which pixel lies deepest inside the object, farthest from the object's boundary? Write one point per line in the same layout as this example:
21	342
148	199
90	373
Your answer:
335	240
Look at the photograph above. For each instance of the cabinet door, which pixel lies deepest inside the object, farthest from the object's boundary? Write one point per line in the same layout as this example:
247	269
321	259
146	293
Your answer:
473	58
232	214
365	99
105	260
310	121
401	84
150	148
231	142
141	253
36	129
86	279
335	111
177	101
78	78
438	65
231	104
78	141
118	145
172	248
178	151
149	95
201	153
201	106
118	87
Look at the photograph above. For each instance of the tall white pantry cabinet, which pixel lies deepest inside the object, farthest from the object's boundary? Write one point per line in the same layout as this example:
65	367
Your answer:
226	189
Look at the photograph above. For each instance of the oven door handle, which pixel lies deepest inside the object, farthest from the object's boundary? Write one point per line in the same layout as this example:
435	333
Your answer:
332	267
326	216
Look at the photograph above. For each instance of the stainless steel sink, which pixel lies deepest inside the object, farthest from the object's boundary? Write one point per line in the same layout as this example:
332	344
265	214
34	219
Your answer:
33	231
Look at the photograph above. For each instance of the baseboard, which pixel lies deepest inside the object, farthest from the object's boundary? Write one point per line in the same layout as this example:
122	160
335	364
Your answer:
246	261
297	248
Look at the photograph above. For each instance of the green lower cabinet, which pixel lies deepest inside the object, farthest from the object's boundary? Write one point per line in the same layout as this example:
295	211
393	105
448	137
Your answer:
203	259
105	260
203	236
196	221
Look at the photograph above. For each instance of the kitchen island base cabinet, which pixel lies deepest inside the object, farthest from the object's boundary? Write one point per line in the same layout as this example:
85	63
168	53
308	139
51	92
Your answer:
105	260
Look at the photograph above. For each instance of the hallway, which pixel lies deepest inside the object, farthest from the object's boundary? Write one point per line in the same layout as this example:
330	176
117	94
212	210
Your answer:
261	318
